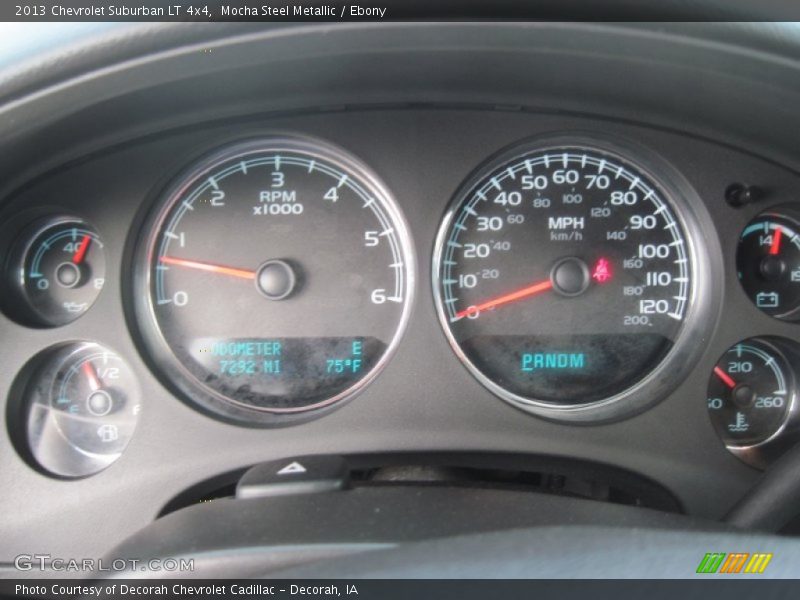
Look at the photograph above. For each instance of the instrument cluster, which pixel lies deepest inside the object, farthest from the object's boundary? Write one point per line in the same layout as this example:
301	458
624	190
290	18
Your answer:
272	280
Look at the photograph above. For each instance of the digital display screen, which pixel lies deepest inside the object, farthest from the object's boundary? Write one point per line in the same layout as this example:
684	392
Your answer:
567	369
282	372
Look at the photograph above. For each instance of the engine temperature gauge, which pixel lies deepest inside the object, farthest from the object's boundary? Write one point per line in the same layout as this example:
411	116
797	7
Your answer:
57	270
751	394
82	406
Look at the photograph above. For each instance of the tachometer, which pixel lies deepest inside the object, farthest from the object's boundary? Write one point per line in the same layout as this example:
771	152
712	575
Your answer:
275	278
566	278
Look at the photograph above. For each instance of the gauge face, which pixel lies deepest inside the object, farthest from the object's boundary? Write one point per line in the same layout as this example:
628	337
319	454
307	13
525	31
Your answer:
563	276
750	393
58	270
83	406
278	275
768	261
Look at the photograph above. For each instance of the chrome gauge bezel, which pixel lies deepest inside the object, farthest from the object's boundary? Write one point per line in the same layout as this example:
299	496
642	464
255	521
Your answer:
157	350
706	268
761	454
782	212
17	278
41	439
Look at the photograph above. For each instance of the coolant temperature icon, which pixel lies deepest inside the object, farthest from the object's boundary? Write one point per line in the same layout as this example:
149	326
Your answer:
740	425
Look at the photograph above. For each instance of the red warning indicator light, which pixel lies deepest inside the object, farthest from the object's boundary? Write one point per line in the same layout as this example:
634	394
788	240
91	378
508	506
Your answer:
602	271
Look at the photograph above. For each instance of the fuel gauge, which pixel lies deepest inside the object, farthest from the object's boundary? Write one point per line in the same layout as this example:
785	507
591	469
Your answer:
768	262
82	406
57	270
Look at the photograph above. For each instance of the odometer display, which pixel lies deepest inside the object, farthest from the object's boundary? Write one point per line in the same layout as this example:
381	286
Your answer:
563	276
277	278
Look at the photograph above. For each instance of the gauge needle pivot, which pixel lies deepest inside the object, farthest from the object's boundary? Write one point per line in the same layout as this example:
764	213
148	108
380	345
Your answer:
209	267
80	253
526	292
726	379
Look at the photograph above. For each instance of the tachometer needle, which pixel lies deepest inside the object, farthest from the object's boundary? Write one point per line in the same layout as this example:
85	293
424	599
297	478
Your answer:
775	248
211	268
525	292
726	379
80	253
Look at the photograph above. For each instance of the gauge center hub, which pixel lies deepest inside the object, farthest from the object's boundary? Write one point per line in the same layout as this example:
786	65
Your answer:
772	268
68	275
744	395
276	279
99	403
570	276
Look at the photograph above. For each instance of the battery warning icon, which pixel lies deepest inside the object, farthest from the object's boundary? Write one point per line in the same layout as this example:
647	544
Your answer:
767	300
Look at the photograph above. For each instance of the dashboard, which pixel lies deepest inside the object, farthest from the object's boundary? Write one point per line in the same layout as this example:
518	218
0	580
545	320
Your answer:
208	278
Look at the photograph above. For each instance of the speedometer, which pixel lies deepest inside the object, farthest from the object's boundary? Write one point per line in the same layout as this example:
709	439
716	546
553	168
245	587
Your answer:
568	279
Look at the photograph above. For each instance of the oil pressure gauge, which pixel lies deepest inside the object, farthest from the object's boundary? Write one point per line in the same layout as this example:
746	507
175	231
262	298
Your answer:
751	397
56	271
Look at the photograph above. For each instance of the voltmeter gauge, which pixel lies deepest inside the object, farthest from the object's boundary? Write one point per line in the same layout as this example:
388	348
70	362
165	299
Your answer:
751	395
82	405
768	262
57	271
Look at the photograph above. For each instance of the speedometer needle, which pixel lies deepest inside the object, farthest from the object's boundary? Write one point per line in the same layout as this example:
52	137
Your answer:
210	267
525	292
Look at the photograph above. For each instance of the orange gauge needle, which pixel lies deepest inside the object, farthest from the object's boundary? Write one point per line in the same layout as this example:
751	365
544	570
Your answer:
726	379
775	248
94	382
525	292
80	253
211	268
